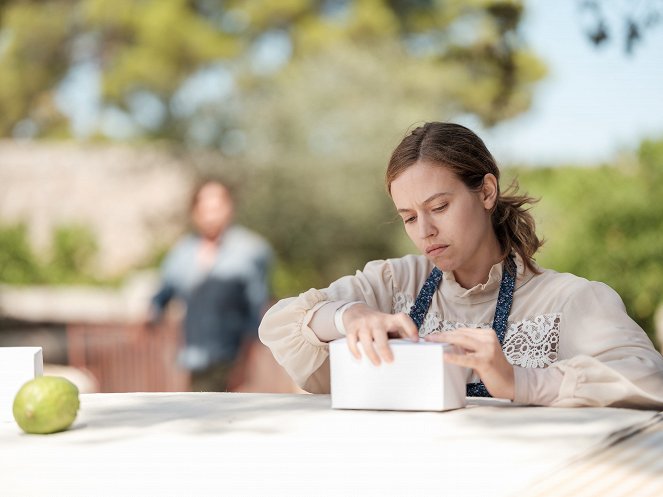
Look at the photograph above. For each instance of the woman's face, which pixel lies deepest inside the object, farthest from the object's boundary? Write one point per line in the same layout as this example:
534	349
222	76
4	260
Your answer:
449	223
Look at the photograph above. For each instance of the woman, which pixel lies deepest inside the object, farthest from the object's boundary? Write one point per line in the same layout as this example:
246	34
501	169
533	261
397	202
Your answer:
531	335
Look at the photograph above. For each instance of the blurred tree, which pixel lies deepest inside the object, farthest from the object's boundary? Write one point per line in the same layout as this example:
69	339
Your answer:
328	124
622	19
18	264
303	98
33	59
143	49
156	60
606	224
69	261
74	247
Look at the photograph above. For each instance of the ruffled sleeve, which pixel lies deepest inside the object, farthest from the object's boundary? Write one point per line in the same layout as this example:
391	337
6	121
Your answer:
286	327
606	359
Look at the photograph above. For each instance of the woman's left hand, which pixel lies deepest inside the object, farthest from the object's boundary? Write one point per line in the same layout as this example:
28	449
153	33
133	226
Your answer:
481	351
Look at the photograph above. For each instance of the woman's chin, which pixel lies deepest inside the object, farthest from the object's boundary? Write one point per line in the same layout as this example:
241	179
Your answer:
442	263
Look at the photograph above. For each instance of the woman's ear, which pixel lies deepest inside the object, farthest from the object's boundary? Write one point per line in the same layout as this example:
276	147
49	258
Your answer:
489	191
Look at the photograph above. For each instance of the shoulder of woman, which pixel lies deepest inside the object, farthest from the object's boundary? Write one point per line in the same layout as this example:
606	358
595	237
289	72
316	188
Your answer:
405	263
400	267
408	268
573	289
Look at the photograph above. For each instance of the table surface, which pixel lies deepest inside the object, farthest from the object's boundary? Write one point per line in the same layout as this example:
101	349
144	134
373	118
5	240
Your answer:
283	444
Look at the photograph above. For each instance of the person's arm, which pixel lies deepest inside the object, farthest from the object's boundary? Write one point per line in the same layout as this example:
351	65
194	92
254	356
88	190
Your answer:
606	359
159	302
171	267
297	329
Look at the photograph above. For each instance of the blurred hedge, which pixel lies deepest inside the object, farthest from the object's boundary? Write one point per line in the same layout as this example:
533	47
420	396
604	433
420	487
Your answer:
606	224
68	261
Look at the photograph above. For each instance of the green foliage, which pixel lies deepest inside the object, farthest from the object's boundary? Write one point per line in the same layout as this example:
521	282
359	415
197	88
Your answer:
310	135
33	58
470	53
154	45
606	224
17	261
319	134
73	249
321	227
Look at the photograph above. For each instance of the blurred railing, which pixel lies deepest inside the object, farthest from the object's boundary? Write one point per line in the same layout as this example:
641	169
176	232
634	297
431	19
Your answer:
128	357
106	340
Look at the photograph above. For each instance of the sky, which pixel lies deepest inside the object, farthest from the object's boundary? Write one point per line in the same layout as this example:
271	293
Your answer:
595	102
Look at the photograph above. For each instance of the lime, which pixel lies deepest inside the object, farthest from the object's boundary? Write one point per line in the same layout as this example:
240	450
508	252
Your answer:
46	404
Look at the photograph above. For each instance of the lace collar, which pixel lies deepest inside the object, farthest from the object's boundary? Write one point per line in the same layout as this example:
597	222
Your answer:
483	292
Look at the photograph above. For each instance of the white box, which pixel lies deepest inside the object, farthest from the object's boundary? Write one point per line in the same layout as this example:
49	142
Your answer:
18	365
417	380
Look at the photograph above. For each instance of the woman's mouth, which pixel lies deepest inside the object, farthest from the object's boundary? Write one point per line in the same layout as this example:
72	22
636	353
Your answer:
435	249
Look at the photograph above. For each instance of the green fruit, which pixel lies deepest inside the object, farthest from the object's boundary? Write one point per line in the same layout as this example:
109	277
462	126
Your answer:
46	404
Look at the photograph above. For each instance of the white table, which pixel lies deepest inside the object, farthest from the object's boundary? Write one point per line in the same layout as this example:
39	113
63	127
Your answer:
269	444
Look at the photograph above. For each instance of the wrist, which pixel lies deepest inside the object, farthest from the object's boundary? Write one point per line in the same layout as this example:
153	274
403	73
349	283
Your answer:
338	317
509	387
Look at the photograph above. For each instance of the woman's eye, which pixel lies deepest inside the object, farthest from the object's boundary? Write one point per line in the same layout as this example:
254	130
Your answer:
440	208
409	220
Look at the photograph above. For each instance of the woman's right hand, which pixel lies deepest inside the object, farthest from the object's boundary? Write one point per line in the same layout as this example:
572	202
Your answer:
373	328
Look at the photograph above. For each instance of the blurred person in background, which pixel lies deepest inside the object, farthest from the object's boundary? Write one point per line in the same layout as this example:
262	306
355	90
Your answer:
220	271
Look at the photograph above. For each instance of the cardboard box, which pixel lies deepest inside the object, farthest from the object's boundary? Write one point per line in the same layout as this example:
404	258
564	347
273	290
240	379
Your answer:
18	365
417	380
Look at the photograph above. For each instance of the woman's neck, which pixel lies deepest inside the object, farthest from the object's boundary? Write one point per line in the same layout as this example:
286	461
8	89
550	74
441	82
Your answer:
478	269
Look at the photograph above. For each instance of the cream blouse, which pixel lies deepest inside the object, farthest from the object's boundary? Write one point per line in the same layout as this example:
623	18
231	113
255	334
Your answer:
569	339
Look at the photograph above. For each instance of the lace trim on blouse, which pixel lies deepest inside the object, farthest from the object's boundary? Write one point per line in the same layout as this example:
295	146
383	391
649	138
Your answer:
530	343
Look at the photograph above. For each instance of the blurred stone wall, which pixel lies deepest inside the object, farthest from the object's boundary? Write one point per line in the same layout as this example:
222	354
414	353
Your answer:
133	198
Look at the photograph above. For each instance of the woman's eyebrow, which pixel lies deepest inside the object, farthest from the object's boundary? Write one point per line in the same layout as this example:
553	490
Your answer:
435	196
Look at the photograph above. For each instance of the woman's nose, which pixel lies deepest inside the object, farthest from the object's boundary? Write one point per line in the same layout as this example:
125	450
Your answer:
426	228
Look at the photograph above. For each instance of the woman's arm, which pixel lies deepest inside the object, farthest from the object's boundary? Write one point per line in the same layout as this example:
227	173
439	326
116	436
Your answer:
606	359
297	329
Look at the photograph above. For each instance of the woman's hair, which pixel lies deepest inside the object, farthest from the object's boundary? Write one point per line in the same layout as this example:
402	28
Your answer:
461	151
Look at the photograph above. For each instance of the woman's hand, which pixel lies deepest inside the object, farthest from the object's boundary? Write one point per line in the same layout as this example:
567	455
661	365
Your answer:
373	328
483	353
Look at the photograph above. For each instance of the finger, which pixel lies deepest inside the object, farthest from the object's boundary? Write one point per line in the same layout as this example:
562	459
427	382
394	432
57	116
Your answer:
406	327
464	360
382	347
481	334
437	337
366	340
467	342
352	345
